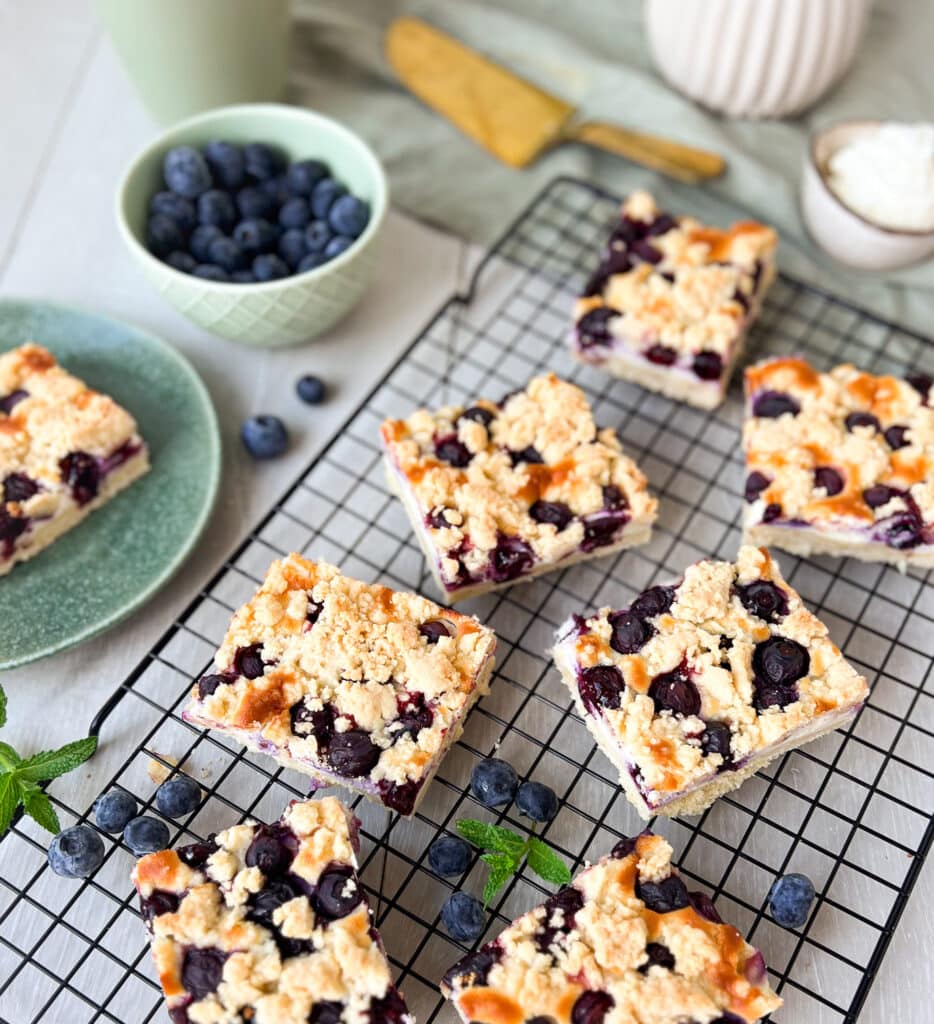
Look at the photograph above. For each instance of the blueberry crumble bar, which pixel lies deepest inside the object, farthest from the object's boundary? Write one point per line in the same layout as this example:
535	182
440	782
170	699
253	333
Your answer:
501	492
697	685
840	463
626	942
65	450
670	303
268	924
355	684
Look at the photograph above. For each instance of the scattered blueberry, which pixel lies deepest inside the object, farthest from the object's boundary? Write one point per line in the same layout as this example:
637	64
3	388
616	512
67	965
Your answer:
311	389
210	272
146	835
226	254
310	262
537	801
255	202
255	235
493	782
177	207
217	208
303	175
186	172
264	437
317	236
448	856
292	246
295	213
113	810
163	235
227	164
348	215
262	161
182	261
269	267
178	796
200	242
463	917
790	900
77	852
337	245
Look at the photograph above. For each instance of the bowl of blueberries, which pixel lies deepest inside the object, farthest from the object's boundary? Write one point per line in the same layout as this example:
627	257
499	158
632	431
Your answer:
258	222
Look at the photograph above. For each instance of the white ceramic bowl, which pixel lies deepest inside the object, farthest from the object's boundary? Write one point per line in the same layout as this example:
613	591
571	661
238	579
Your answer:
845	234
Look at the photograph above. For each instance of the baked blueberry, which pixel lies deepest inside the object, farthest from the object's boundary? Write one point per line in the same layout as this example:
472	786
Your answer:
780	661
76	852
453	452
463	917
353	753
659	955
311	389
9	402
665	896
673	691
146	835
707	366
601	686
763	599
591	1007
178	796
756	483
717	738
493	782
81	473
630	632
202	971
829	479
186	172
264	436
227	164
554	512
511	558
537	801
653	602
593	328
662	355
113	810
338	893
19	487
790	900
896	437
449	856
861	419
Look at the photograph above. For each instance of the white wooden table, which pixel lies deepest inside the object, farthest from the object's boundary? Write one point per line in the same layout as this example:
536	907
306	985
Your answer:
69	124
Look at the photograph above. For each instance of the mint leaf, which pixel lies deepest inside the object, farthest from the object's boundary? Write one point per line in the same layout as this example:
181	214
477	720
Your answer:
546	863
490	837
2	708
502	868
9	800
49	764
39	807
9	759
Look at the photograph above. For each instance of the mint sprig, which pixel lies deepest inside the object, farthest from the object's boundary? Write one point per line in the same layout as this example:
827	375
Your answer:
20	777
506	850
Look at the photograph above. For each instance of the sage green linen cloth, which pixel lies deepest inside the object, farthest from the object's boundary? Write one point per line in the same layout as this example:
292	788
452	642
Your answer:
594	54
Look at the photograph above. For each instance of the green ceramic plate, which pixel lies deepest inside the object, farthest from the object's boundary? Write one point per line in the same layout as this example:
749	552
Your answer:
104	569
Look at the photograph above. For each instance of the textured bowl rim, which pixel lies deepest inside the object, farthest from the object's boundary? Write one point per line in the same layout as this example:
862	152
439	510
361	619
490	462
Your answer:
162	142
822	176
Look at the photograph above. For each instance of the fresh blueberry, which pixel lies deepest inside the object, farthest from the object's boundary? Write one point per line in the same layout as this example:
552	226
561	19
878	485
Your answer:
790	900
225	159
302	176
323	196
77	852
463	917
243	277
269	267
772	404
211	272
311	389
292	246
348	216
493	782
217	208
255	235
226	253
200	242
113	810
295	213
537	801
178	796
448	856
163	235
186	172
317	236
176	207
146	835
253	202
337	245
182	261
310	262
262	161
264	437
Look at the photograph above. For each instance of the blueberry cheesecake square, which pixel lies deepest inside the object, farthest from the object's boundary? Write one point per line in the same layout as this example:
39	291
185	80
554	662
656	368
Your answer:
501	492
353	683
840	463
626	942
670	303
697	685
268	924
65	450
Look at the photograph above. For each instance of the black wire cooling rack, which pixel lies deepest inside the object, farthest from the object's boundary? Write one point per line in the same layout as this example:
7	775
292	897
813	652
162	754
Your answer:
854	810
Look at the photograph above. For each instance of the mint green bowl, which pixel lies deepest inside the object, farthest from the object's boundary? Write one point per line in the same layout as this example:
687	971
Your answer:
284	312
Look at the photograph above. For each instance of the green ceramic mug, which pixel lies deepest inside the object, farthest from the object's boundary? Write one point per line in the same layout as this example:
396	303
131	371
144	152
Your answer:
185	56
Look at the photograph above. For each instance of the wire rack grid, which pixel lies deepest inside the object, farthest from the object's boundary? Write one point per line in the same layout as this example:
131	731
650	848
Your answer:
854	810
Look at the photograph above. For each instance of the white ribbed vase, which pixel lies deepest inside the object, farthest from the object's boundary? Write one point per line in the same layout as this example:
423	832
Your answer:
754	58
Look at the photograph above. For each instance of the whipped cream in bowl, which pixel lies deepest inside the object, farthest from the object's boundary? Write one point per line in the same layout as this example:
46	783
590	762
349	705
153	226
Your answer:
867	192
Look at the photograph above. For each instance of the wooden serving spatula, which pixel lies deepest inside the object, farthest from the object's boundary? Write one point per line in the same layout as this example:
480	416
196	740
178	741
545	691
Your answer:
513	119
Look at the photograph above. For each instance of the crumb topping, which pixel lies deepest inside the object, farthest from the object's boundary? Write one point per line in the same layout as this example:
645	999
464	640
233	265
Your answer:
635	945
705	684
488	472
843	450
677	283
226	938
356	678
